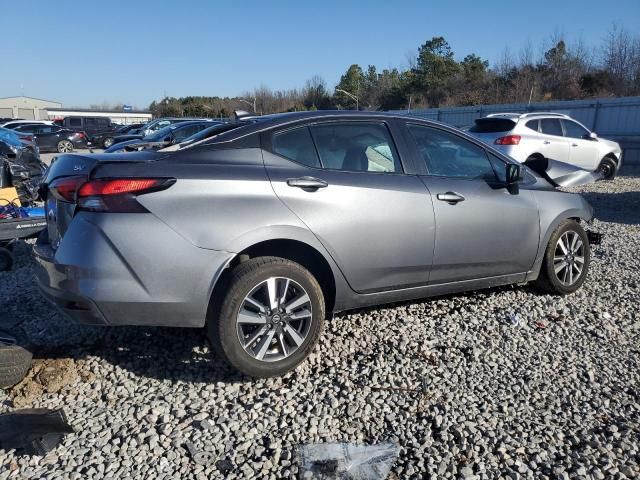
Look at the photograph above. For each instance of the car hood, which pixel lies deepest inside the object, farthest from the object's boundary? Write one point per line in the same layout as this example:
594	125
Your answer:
560	174
610	143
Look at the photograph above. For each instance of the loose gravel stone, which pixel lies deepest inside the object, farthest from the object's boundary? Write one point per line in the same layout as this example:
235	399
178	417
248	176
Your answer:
501	383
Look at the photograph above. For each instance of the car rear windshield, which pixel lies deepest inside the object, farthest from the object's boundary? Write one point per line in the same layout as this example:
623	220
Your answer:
492	125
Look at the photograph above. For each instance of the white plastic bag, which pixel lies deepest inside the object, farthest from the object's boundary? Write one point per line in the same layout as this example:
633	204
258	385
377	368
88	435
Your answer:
324	461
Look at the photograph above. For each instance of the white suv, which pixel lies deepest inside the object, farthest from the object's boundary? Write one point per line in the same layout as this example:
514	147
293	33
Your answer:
530	137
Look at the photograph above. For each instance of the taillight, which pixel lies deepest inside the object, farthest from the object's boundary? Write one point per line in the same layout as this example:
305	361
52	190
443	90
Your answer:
65	188
27	138
118	194
81	135
508	140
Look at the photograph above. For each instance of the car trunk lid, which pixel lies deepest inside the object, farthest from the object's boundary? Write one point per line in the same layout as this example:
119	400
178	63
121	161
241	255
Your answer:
74	169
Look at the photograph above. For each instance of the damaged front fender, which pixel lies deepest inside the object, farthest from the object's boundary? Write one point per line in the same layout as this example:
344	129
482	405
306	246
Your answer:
561	174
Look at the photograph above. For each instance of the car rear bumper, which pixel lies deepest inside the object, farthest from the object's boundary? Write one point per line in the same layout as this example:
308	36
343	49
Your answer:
103	274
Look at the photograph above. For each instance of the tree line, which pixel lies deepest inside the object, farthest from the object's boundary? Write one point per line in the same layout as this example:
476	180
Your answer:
434	77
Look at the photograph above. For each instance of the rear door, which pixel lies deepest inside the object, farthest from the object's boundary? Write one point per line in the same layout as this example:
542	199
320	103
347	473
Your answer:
345	180
583	150
482	229
553	145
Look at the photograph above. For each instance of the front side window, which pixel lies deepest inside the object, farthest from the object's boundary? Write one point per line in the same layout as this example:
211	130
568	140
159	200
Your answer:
45	129
448	155
186	132
356	146
551	126
573	130
296	144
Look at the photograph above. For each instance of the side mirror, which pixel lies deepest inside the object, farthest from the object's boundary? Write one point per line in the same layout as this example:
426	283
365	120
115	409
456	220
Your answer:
514	173
593	135
18	171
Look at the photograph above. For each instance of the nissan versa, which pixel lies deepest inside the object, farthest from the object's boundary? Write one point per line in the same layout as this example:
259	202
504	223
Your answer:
260	232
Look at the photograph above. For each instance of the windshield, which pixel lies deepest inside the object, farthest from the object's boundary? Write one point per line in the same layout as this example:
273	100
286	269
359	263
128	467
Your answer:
10	137
160	135
210	132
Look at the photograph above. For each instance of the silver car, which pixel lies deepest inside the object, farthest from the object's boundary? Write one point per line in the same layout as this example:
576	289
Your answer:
534	137
262	231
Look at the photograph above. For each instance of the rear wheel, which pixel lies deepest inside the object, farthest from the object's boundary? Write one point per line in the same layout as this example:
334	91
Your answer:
65	146
566	260
608	167
15	362
107	142
270	319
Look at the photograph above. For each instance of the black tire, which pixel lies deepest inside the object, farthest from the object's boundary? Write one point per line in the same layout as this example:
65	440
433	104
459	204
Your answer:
65	146
15	362
6	260
222	328
548	280
608	168
107	142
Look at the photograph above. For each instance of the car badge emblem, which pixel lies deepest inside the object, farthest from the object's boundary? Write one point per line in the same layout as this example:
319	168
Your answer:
77	168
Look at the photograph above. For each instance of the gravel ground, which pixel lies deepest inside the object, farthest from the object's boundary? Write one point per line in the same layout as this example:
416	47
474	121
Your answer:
503	383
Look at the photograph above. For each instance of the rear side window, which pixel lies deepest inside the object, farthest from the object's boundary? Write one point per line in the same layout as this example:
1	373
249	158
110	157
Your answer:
45	129
75	122
296	145
533	125
356	146
492	125
448	155
551	126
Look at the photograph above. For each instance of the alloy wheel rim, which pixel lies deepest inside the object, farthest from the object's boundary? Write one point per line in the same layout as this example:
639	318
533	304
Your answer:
569	258
274	319
65	147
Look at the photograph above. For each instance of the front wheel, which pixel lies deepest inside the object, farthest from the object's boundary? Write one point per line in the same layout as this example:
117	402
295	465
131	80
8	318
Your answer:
270	319
107	142
607	168
65	146
566	259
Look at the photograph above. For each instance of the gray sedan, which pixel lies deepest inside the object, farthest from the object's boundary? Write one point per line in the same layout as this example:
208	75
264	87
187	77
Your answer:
261	232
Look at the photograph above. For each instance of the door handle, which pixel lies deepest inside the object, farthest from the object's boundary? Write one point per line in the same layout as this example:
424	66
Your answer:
546	142
307	183
574	144
450	197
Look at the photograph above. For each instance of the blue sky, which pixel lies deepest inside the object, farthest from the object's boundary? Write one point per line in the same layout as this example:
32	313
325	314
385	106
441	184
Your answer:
83	52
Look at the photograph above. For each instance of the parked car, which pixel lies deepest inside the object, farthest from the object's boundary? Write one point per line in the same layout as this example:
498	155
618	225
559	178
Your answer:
52	138
15	123
100	130
15	150
536	137
128	128
152	127
164	137
263	231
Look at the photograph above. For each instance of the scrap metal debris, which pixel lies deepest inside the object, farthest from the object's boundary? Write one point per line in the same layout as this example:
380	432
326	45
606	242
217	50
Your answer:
324	461
34	431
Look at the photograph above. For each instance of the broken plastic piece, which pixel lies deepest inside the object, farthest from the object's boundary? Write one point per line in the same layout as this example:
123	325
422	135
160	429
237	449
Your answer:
514	319
201	457
347	461
34	431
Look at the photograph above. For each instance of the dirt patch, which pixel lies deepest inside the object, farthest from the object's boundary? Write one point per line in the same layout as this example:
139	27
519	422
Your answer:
45	376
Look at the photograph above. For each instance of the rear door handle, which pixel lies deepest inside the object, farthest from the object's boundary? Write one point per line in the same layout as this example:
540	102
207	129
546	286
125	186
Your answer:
450	197
307	183
574	144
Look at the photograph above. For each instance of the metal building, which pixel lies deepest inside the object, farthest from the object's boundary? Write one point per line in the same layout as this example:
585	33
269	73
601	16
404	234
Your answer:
27	108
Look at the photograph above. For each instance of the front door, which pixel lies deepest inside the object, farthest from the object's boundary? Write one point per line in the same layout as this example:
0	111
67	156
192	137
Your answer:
346	182
482	229
583	150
